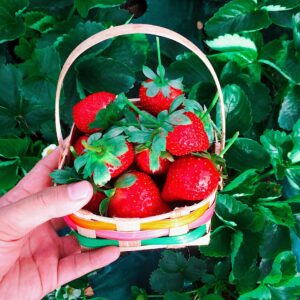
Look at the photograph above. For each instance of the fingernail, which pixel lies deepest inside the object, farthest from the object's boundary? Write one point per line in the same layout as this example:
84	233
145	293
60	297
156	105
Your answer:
80	190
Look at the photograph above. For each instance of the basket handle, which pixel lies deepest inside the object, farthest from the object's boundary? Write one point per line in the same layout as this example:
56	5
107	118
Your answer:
132	29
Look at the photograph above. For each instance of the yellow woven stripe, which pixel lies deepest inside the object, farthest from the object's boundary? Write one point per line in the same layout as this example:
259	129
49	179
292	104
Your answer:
181	221
169	223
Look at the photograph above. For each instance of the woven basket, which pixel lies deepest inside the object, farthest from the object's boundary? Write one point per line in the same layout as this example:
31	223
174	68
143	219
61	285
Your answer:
184	226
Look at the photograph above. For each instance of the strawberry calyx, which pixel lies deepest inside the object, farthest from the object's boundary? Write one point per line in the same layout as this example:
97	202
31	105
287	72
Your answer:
124	181
101	151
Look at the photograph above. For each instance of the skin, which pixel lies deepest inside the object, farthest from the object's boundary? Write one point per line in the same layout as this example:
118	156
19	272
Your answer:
34	260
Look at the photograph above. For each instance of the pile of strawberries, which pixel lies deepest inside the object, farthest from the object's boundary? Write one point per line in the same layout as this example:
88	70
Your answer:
143	158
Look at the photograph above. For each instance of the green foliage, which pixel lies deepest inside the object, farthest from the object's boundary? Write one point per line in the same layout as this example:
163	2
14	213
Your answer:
254	47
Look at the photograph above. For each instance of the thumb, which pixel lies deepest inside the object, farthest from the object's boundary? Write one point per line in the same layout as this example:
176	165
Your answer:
18	219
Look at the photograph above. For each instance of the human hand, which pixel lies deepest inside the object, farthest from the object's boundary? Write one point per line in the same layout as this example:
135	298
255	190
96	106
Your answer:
34	260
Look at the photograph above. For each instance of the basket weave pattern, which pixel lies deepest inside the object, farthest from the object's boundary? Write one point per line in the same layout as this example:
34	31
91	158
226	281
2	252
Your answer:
184	226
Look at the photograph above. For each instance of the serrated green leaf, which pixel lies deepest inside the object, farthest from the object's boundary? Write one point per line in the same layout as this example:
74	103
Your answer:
294	155
279	5
237	109
191	68
8	176
65	176
276	238
267	191
126	181
194	269
243	184
283	268
247	154
219	245
234	47
39	21
293	176
149	73
104	74
289	112
231	209
83	6
11	23
244	252
296	31
172	262
279	213
162	281
179	118
14	148
101	174
237	16
281	56
130	50
260	293
25	48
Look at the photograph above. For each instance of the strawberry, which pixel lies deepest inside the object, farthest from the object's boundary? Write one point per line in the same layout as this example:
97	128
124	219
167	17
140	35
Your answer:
190	178
185	139
160	101
142	160
78	146
126	160
85	111
93	204
136	196
106	156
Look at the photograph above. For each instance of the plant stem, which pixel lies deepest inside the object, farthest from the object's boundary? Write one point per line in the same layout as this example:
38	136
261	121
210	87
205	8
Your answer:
211	106
134	124
140	112
230	143
161	73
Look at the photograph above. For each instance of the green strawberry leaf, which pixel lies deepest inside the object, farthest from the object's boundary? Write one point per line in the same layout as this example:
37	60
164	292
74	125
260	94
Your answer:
65	176
149	73
179	118
136	135
152	90
39	21
101	174
176	103
125	181
103	207
176	83
161	72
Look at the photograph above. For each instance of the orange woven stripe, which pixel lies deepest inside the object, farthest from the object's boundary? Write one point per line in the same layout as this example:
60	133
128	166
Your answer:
169	223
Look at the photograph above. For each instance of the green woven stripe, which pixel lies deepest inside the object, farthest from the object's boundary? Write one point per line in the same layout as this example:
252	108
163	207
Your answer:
172	240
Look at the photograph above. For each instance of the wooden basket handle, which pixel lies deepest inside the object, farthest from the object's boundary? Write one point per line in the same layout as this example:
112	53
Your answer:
132	29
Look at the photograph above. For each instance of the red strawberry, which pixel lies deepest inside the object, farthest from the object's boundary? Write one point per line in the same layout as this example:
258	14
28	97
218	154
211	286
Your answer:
85	111
79	146
185	139
190	178
159	102
126	160
142	160
138	200
93	204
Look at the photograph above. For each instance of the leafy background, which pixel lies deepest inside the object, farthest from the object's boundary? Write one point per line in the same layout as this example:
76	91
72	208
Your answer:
255	48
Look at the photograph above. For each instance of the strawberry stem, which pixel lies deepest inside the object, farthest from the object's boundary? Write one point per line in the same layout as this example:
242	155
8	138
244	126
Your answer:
159	61
229	144
140	112
211	106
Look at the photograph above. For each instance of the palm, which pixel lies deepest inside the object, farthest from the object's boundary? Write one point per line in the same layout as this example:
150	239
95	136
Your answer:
40	254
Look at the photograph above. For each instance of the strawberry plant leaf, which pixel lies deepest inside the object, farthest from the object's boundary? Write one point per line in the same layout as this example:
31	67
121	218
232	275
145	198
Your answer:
136	135
247	154
103	207
152	90
65	176
194	269
237	16
279	5
178	118
296	31
276	238
189	67
161	72
279	213
42	73
176	296
289	112
283	268
176	103
11	22
25	48
176	83
104	74
125	181
267	191
237	108
101	174
219	245
149	73
83	6
234	47
162	281
129	50
9	176
39	21
113	132
294	155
